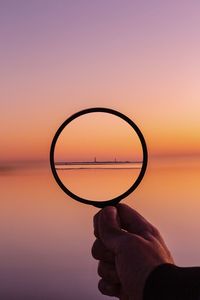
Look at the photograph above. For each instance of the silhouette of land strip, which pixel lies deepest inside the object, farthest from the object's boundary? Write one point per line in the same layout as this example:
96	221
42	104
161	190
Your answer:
107	162
117	165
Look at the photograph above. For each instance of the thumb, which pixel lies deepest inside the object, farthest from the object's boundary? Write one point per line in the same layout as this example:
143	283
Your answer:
109	229
133	222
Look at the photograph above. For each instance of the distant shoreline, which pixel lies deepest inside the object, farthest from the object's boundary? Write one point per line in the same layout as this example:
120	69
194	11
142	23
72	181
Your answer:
97	163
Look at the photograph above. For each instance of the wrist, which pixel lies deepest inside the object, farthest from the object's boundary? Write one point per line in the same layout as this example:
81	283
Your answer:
170	282
157	281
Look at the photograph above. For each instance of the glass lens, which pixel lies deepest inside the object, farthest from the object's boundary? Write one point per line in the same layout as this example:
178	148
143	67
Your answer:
98	156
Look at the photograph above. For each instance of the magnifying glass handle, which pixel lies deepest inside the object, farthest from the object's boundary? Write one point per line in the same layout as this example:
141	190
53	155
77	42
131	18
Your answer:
102	204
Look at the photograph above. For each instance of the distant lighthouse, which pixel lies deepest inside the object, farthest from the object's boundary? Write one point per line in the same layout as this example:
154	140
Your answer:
95	159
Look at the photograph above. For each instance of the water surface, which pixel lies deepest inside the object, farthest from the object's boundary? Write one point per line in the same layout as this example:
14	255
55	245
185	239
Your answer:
46	237
99	182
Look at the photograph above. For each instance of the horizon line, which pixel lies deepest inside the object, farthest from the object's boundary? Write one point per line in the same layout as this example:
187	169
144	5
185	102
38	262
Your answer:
151	156
96	162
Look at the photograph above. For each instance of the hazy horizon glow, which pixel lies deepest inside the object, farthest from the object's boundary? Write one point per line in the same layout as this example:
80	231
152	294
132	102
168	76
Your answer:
141	58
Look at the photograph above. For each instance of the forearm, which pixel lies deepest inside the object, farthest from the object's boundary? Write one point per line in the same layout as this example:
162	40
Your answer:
169	282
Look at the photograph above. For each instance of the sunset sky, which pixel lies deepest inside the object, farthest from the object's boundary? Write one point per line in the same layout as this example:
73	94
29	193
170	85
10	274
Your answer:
58	57
138	57
99	135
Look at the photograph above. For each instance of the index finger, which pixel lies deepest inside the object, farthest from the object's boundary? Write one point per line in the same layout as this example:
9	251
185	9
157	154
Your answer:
96	224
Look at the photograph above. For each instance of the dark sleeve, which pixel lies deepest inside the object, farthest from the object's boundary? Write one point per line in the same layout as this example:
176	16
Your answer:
169	282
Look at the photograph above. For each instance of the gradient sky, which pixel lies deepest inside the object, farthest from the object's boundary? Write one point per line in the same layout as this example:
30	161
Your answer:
98	135
139	57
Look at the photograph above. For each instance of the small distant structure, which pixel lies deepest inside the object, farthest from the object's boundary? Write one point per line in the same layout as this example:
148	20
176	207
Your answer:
115	160
95	159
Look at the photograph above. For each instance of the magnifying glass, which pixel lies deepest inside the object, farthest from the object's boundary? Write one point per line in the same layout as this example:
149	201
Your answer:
98	156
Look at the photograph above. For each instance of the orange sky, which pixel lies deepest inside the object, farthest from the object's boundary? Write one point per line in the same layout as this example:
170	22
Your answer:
142	60
101	135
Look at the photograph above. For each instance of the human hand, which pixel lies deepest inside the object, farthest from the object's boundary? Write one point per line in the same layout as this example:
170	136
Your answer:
128	248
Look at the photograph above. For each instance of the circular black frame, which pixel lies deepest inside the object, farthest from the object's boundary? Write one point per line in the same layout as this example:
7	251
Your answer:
113	201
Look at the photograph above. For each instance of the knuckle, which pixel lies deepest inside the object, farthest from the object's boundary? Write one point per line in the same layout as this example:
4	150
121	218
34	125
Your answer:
100	270
101	287
95	224
96	234
104	287
99	252
108	289
96	218
94	250
155	231
107	272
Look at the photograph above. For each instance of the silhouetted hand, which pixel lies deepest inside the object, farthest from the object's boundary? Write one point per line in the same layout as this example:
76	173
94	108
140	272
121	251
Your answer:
128	248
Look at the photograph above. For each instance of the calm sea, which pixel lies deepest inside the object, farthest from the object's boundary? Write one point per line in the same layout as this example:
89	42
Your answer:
99	181
46	237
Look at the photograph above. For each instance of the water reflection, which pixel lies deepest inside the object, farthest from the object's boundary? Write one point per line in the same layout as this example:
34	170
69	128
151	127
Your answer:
100	182
46	237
